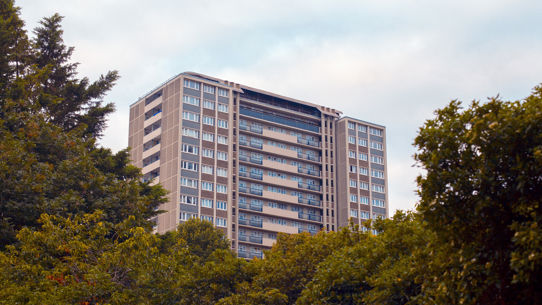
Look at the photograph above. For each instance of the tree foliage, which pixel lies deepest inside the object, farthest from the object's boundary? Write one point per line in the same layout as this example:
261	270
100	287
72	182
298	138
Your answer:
49	124
481	195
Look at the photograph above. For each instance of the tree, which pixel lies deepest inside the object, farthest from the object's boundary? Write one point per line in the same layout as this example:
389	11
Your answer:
381	269
67	101
481	195
49	124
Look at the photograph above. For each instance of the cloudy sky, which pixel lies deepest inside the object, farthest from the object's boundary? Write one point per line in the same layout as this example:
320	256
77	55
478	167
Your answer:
391	62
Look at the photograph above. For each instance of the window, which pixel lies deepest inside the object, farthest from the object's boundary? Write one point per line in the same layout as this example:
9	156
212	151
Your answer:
362	156
222	140
220	155
208	137
364	185
206	203
363	171
221	188
207	169
377	159
221	222
364	215
377	174
207	186
376	145
209	153
351	154
351	125
353	169
376	132
208	89
189	182
221	205
191	100
190	149
353	183
189	200
209	104
207	218
190	116
222	107
352	140
363	200
185	216
191	84
222	92
353	213
363	142
222	123
378	188
222	172
191	133
207	120
353	198
189	166
378	203
362	128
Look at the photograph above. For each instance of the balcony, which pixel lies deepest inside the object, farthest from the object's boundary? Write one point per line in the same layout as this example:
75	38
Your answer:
256	129
251	206
243	221
257	176
153	119
150	167
307	171
243	189
312	217
308	142
243	174
255	239
311	187
151	135
243	254
254	191
257	145
256	160
151	151
243	127
309	157
153	104
243	142
243	158
280	166
256	223
313	202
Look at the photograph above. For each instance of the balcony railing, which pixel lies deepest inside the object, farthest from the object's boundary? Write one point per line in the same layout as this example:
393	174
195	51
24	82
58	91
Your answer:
256	223
256	192
256	129
243	254
243	157
312	217
243	142
308	157
256	254
256	160
307	186
257	176
308	142
255	239
243	127
243	205
242	237
309	201
303	170
243	221
242	189
258	145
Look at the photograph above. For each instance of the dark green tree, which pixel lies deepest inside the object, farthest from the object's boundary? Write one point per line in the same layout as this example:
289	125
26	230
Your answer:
481	194
49	124
67	101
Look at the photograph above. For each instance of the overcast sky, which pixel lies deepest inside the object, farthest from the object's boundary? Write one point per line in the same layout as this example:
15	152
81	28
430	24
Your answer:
388	62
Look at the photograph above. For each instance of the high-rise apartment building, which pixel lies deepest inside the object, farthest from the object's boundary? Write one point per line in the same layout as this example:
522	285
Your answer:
256	163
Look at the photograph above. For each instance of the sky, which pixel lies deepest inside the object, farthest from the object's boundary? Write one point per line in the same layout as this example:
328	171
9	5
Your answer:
390	62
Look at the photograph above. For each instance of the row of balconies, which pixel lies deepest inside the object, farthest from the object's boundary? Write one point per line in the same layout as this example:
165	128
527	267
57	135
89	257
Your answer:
246	254
278	135
279	212
300	170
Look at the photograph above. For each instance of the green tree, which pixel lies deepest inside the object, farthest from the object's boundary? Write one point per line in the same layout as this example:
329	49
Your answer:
481	195
67	101
381	269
